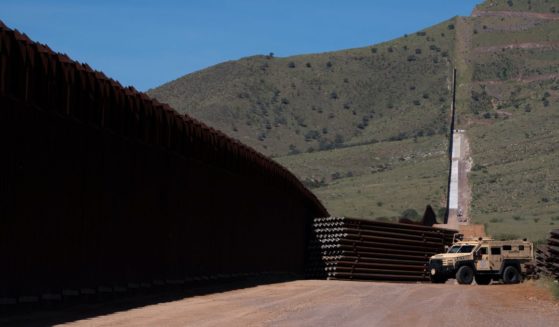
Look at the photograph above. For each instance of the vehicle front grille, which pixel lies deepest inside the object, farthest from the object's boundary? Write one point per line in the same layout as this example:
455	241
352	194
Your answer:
435	263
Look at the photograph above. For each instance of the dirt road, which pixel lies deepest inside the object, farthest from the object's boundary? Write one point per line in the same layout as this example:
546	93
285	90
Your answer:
341	303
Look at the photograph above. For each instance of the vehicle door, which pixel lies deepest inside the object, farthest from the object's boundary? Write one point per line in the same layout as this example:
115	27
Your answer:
495	258
482	259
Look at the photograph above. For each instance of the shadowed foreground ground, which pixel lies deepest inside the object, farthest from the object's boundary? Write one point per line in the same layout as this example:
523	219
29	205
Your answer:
335	303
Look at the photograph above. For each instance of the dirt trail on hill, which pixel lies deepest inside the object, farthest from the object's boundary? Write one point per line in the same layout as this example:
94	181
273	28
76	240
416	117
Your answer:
342	303
523	14
521	79
465	191
525	45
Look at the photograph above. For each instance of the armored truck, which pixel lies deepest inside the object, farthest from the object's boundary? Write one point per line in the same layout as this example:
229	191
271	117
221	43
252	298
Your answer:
484	260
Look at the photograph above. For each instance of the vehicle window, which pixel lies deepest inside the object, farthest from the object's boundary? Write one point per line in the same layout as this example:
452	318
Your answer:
466	249
454	249
507	247
482	251
495	251
521	247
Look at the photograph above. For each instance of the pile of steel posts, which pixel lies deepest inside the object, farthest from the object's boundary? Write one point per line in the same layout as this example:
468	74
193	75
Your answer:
547	256
347	248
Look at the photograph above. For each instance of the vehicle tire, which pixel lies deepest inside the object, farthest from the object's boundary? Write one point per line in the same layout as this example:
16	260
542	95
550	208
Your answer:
483	280
511	275
438	279
465	275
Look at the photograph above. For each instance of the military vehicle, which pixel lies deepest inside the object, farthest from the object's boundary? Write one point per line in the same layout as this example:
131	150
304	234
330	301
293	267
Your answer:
484	260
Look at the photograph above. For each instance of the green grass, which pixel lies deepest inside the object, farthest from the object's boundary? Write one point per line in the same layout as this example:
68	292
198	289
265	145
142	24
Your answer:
386	178
520	176
511	124
545	31
549	284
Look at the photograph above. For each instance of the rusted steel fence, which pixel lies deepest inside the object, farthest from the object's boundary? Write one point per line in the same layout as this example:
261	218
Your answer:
103	189
547	256
347	248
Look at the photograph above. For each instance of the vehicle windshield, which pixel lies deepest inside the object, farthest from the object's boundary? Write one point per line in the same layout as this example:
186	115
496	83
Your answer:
461	249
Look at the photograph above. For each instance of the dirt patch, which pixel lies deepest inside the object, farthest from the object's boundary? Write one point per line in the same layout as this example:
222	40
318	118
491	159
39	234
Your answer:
340	303
521	79
526	45
465	189
523	14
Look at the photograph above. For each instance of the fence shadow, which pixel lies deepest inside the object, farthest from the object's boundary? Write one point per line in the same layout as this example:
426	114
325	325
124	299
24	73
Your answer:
65	312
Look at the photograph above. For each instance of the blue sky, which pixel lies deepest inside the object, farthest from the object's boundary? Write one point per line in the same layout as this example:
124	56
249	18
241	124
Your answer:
147	43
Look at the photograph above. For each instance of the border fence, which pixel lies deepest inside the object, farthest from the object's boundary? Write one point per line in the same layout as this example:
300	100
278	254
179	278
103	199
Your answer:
103	189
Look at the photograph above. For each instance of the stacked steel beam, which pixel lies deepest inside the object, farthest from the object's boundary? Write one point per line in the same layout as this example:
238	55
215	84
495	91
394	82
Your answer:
347	248
543	264
553	250
547	256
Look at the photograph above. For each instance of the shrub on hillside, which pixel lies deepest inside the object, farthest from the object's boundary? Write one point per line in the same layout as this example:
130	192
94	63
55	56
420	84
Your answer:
293	149
311	182
441	212
410	214
335	176
506	236
312	135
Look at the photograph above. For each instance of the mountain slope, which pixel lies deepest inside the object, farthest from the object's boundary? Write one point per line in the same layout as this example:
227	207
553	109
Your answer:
381	112
509	103
391	91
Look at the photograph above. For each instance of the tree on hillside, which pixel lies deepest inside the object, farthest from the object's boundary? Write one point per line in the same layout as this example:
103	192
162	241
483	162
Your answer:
410	214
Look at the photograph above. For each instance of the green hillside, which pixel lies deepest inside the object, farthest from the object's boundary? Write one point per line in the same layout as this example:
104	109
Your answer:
392	91
367	128
377	180
511	113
